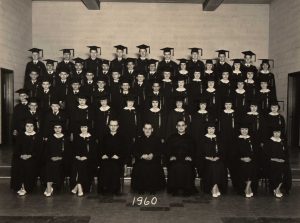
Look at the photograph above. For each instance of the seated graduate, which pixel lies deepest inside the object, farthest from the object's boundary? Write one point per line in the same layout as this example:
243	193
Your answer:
247	164
279	170
57	159
111	163
24	176
147	173
84	165
180	154
214	171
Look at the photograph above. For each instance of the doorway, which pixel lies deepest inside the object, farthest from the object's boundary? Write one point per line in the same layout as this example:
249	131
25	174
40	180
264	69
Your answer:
294	110
7	105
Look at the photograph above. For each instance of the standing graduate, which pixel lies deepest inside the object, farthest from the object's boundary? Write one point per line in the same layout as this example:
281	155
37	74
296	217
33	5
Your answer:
180	89
147	173
115	88
279	170
180	156
236	72
57	159
214	170
51	72
66	63
19	112
221	64
105	72
79	70
101	90
209	73
33	84
72	96
248	65
265	96
93	63
240	98
89	86
213	97
25	157
265	73
35	63
63	86
225	88
167	89
45	95
33	113
246	163
167	61
111	165
140	91
195	62
130	72
182	71
85	161
119	62
195	89
152	73
251	85
142	61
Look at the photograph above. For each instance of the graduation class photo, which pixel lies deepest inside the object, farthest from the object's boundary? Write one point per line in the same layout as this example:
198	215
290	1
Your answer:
150	111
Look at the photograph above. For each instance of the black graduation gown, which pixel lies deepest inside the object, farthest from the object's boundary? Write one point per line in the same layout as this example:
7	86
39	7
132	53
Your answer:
192	66
180	94
213	102
140	93
36	117
83	171
119	65
158	122
172	119
225	90
44	99
97	94
130	76
101	121
195	90
88	89
114	88
265	99
252	68
214	172
251	89
167	90
272	121
68	66
71	102
40	66
153	76
32	88
93	65
271	80
171	65
53	76
181	173
240	102
63	89
220	68
111	170
25	171
142	65
147	175
106	75
278	172
78	116
247	170
50	119
206	76
19	116
235	77
79	75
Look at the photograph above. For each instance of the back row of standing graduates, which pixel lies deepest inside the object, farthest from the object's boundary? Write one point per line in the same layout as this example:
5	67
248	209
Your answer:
140	96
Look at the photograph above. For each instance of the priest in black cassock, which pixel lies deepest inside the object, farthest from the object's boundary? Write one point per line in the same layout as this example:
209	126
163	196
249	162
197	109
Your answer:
180	155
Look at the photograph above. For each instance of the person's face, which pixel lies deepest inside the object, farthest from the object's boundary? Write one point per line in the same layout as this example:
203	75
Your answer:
167	75
253	108
103	102
250	75
195	56
33	106
202	106
152	67
125	86
130	104
209	66
240	85
143	52
49	67
57	129
119	53
225	75
197	75
248	59
211	130
75	86
35	56
81	101
115	75
89	76
210	84
228	105
93	54
179	104
33	75
105	67
244	131
78	66
130	65
155	87
29	127
276	134
45	85
23	97
101	84
67	56
274	108
83	129
140	78
181	84
222	57
264	85
147	130
113	126
63	75
154	104
181	127
237	66
183	66
167	55
55	107
265	66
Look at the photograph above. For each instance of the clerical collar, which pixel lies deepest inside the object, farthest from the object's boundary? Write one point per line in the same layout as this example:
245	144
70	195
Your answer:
252	113
209	71
265	90
83	106
265	72
274	113
85	135
155	109
106	108
211	136
30	133
179	109
197	80
244	136
249	81
228	111
58	136
240	91
183	72
211	90
275	139
131	108
167	80
180	89
202	111
224	81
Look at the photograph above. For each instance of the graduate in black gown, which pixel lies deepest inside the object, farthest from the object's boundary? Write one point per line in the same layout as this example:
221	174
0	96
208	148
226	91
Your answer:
35	63
236	72
119	62
57	149
279	170
85	161
142	61
209	73
180	156
147	173
246	163
66	63
34	114
265	73
111	165
195	89
214	171
195	62
33	84
167	61
213	97
225	88
93	63
265	96
221	64
25	157
51	72
248	65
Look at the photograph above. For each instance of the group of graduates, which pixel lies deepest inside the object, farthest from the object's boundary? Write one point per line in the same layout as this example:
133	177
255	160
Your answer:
91	118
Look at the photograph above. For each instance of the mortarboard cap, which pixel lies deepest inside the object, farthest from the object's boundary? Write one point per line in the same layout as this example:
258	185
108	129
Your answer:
276	128
130	97
75	81
201	100
155	98
56	123
254	102
143	46
211	78
103	97
240	79
168	49
130	60
64	69
55	101
244	125
237	61
264	79
84	123
125	80
82	96
22	91
181	77
152	61
196	50
49	61
95	48
105	61
121	47
211	124
78	60
183	60
225	52
101	78
37	50
209	61
249	53
29	121
179	98
68	51
45	79
34	69
32	100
